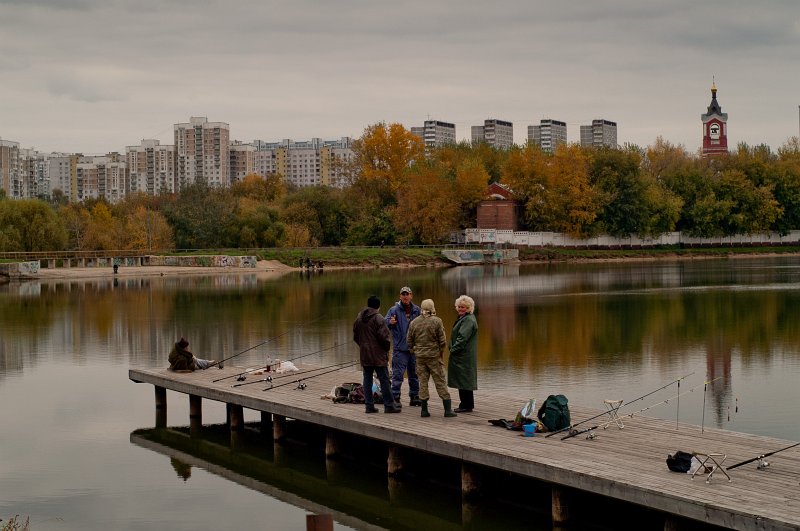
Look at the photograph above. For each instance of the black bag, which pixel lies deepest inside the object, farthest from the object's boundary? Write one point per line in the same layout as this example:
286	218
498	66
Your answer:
554	413
356	396
679	461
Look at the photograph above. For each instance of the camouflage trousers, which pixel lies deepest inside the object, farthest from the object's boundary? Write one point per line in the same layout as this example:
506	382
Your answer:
433	368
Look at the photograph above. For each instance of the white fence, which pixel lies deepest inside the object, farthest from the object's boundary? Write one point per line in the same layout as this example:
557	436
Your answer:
557	239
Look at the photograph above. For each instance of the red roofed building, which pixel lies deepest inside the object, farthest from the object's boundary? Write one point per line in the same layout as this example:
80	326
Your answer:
500	209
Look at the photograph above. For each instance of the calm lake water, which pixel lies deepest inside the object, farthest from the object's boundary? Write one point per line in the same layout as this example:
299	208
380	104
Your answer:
71	455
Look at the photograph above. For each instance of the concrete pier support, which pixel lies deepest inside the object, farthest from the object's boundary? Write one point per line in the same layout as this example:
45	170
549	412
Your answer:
470	482
195	415
331	444
236	417
161	407
278	428
266	422
395	461
561	498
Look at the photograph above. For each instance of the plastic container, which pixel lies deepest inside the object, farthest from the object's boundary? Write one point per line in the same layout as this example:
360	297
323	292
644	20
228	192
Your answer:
529	429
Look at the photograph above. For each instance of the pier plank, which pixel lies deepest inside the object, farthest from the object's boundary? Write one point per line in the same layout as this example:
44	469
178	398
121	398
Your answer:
627	464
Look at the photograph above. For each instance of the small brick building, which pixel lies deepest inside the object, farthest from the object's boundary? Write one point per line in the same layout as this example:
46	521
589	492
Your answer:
500	209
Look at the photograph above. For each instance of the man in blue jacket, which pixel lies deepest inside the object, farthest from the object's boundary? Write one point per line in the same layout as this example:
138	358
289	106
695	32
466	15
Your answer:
398	318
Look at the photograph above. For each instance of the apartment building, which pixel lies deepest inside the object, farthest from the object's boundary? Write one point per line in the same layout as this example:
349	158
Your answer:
548	135
435	133
202	153
151	167
307	163
101	177
497	133
600	133
242	160
10	171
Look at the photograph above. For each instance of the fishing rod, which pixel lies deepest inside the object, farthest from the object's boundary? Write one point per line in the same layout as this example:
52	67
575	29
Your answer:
761	463
630	415
273	338
622	404
301	382
248	371
271	378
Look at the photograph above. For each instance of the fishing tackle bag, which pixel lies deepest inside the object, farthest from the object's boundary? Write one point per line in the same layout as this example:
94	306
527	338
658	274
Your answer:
679	461
554	413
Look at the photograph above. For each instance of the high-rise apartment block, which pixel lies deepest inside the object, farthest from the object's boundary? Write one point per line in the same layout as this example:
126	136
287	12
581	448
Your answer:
151	167
600	133
10	174
548	134
436	133
307	163
242	160
496	133
101	177
202	153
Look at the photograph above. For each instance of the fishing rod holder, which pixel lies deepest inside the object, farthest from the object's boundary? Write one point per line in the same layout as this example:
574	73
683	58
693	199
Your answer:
612	410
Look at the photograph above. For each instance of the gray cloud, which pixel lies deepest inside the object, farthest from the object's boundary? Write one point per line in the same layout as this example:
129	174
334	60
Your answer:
297	69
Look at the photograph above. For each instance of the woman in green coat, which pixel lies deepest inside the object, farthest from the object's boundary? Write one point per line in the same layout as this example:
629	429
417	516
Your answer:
462	368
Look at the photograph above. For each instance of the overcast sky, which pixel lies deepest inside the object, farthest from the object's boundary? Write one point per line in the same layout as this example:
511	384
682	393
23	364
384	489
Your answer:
95	76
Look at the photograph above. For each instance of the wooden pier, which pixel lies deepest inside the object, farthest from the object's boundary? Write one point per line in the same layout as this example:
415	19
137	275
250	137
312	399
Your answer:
623	464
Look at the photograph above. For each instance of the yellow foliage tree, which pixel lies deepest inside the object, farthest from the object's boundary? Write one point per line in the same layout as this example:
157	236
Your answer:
103	231
147	230
385	152
427	206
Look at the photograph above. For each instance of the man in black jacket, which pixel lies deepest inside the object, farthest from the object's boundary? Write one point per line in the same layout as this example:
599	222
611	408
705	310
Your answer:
373	339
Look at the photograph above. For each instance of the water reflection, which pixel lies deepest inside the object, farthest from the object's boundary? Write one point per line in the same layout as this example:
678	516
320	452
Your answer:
585	330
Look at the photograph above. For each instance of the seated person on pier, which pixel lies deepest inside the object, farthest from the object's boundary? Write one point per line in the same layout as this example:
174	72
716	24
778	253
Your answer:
181	359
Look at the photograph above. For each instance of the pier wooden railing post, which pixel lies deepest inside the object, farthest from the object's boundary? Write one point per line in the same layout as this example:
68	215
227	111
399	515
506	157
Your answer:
161	406
470	482
561	498
395	461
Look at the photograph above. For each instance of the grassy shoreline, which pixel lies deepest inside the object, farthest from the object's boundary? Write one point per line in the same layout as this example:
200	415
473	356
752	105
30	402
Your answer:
429	256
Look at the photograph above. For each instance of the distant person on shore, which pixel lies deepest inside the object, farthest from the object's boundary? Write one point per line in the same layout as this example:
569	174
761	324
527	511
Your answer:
373	340
427	341
180	359
462	368
398	318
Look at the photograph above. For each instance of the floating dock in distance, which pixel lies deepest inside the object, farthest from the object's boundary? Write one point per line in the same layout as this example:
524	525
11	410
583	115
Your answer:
480	256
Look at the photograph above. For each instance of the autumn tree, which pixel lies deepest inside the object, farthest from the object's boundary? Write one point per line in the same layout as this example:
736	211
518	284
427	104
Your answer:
147	230
30	225
556	189
104	231
427	209
322	209
385	152
202	217
267	189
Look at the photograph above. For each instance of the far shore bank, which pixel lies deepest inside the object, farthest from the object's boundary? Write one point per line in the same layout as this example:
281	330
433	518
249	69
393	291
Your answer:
272	268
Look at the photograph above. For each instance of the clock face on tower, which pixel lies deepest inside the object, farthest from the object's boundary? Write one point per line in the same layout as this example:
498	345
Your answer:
713	131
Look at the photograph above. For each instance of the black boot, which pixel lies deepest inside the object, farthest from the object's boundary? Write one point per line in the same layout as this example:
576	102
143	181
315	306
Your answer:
448	412
415	401
391	409
424	412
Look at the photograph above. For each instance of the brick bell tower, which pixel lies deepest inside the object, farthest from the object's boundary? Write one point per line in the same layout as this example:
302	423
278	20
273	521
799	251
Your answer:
715	127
